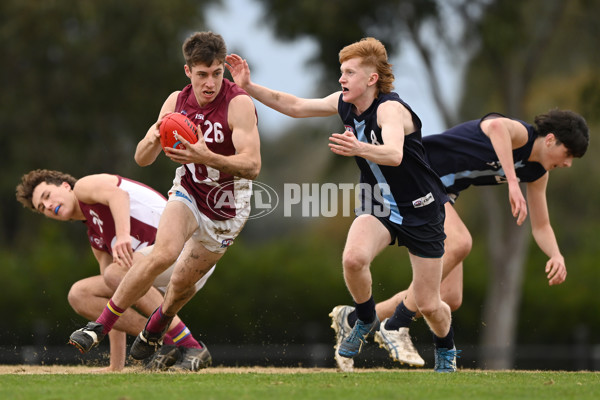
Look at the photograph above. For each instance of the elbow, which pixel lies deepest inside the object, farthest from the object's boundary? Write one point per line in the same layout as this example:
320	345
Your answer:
141	162
396	163
396	159
293	112
253	172
138	160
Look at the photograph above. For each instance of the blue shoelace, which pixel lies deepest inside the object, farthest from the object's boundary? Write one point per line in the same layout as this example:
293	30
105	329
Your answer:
446	358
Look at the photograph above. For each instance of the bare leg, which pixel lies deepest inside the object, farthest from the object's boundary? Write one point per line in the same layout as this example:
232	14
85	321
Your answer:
114	274
176	225
89	296
427	275
193	264
457	246
367	237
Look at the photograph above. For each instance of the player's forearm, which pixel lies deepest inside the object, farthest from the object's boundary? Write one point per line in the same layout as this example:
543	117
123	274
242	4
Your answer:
118	342
382	155
147	150
119	207
242	165
546	240
283	102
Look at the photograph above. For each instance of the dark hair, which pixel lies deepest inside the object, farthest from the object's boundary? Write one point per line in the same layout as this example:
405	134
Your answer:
32	179
568	127
204	48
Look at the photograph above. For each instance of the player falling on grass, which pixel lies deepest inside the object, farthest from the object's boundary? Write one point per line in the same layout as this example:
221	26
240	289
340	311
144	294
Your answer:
490	151
209	202
121	216
405	199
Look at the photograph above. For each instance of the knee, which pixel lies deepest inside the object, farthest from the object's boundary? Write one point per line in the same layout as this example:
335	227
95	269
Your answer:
181	284
113	276
463	246
454	300
354	261
76	296
159	260
451	293
429	307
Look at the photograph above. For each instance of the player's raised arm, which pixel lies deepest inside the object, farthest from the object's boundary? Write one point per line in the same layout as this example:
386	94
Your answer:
149	147
285	103
104	189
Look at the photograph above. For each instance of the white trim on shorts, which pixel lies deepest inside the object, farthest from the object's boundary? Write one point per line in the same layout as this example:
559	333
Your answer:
215	236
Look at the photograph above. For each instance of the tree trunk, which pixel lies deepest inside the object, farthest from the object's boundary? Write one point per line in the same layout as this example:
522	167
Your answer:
507	245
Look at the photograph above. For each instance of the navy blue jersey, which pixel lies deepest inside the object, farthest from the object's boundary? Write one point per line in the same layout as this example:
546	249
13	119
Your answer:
463	156
411	193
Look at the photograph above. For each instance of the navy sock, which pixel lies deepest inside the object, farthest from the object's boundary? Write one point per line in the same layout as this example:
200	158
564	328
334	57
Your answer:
366	311
402	318
445	342
352	318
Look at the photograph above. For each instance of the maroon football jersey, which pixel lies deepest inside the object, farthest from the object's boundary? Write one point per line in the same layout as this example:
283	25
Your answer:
216	193
146	206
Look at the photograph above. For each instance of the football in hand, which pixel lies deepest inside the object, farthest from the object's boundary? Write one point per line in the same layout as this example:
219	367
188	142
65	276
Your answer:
176	123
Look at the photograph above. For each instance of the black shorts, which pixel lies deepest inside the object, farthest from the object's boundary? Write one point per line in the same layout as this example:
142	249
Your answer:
425	241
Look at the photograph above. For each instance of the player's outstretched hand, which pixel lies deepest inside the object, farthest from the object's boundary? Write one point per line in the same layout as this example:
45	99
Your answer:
239	69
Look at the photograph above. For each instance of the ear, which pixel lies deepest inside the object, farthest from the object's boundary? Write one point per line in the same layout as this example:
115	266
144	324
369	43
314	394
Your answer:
373	78
550	139
188	73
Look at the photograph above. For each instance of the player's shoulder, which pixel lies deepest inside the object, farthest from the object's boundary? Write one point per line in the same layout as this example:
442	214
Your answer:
240	102
87	187
495	119
96	180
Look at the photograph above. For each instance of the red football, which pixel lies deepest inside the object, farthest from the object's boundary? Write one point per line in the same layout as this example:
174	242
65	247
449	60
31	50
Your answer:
177	123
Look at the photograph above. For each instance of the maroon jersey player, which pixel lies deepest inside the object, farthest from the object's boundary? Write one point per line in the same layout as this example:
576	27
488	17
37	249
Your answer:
121	216
209	202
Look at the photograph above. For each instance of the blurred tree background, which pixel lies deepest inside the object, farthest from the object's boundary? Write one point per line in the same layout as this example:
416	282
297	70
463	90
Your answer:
91	77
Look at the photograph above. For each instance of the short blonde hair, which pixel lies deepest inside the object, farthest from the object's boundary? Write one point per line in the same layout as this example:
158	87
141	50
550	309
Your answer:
372	52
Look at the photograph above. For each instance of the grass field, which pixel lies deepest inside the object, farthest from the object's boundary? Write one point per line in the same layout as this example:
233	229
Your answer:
24	383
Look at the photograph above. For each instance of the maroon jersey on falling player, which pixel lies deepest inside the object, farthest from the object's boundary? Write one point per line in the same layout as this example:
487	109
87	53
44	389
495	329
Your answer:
214	192
145	208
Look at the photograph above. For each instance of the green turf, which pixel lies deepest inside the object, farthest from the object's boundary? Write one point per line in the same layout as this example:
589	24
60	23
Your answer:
402	384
